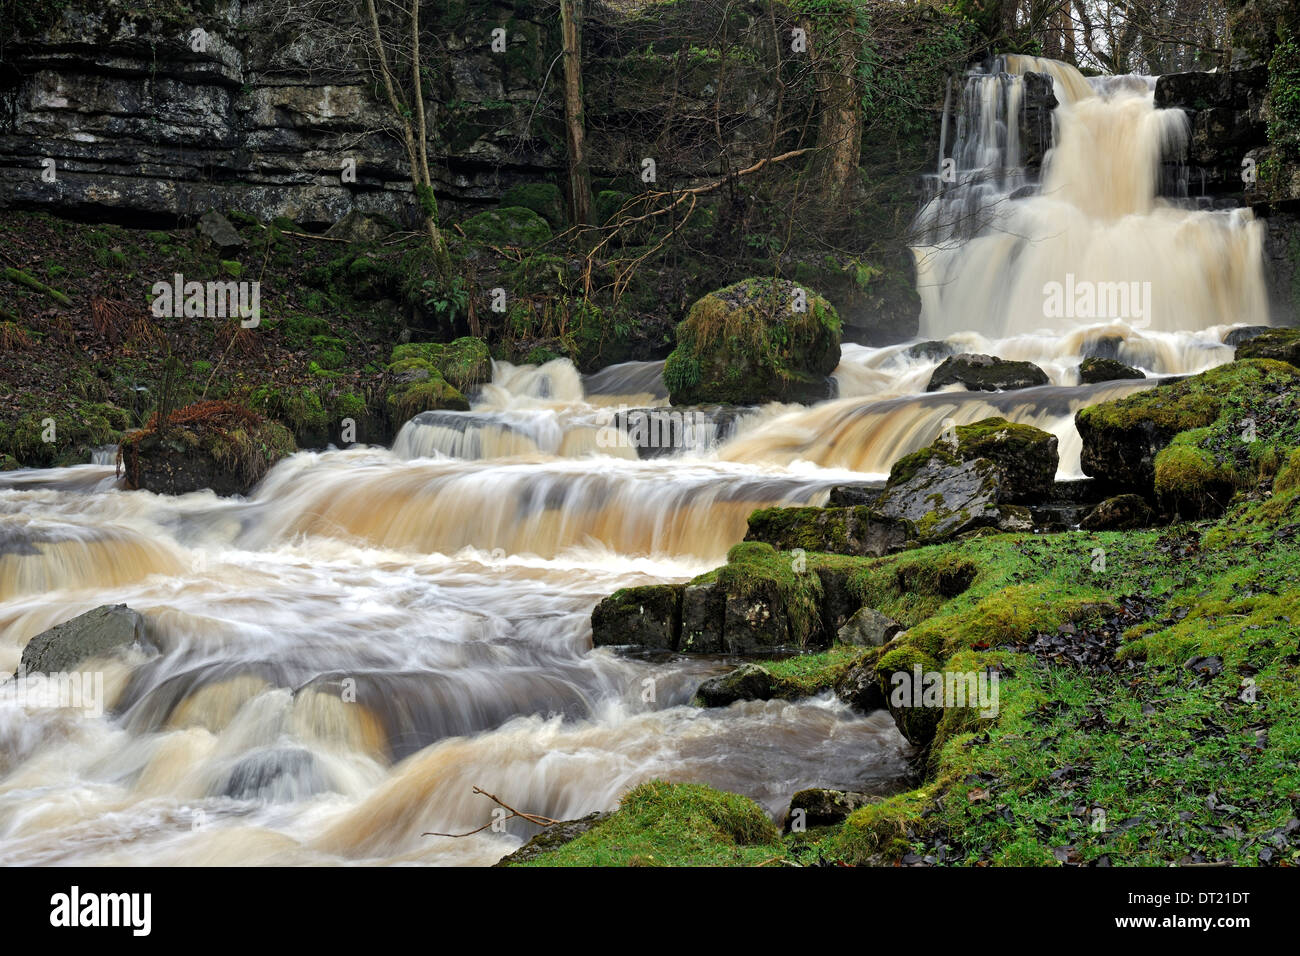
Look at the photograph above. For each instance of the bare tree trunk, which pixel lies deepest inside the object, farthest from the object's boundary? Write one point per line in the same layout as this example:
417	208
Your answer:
579	173
415	138
839	130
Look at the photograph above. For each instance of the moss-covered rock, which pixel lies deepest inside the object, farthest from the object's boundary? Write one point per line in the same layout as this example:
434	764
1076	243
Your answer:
1190	482
415	386
465	362
1094	369
760	602
1026	456
648	616
545	199
749	343
216	445
507	226
1122	438
850	530
1282	345
985	373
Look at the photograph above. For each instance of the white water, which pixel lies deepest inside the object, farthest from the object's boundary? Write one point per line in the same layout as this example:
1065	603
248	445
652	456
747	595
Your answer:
337	661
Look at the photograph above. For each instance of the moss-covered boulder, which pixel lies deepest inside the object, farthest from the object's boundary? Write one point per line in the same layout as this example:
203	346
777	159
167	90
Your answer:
942	496
465	362
746	682
648	616
507	226
759	340
1282	345
857	530
216	445
414	385
761	601
1245	404
62	436
1190	479
545	199
985	373
868	628
1027	457
1093	370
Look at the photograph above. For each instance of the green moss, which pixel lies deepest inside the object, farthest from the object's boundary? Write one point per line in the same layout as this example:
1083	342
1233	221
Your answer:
545	199
674	824
747	343
465	362
507	226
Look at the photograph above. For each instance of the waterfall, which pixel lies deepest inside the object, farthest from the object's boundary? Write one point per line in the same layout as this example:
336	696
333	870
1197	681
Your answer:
992	242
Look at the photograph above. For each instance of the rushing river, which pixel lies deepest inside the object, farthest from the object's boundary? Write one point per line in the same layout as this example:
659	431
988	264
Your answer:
334	663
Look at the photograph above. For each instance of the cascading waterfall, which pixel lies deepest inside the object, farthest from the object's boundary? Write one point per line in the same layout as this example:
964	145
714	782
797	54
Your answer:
990	242
333	663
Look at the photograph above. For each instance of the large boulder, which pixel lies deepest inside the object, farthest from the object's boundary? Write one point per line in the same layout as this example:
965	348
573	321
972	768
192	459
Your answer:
986	373
868	628
759	340
760	602
93	634
647	616
1241	404
1026	456
943	496
507	226
746	682
217	445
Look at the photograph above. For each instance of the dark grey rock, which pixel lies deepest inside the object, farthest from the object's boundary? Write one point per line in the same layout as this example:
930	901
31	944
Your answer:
95	633
868	628
746	682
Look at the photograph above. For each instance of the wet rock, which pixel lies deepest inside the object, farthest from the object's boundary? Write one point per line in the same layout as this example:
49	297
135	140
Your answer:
943	497
1120	513
822	807
648	616
1026	456
986	373
1282	345
551	838
93	634
278	775
746	682
849	496
702	613
1093	370
1244	334
857	530
860	687
217	229
932	350
868	628
787	347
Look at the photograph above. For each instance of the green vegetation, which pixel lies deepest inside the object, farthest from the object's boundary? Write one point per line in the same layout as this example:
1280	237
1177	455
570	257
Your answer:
755	341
